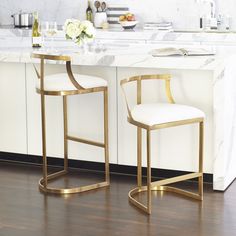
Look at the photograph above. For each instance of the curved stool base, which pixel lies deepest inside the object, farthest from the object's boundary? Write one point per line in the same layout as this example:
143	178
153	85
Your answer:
144	208
68	190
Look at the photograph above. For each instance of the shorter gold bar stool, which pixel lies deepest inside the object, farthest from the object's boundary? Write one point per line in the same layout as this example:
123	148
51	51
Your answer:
157	116
66	84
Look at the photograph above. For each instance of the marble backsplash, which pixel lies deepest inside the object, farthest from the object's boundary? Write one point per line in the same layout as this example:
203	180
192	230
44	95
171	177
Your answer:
183	13
58	10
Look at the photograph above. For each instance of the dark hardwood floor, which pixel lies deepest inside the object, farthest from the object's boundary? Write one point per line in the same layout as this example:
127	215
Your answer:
24	211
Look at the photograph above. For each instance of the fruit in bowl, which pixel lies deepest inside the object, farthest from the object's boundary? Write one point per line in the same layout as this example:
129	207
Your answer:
128	21
127	17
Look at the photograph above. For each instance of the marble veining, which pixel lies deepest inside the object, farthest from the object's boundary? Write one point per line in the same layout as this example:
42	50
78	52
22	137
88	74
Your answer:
207	62
106	60
219	77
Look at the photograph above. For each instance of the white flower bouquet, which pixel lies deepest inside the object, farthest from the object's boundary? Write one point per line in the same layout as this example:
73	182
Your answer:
79	31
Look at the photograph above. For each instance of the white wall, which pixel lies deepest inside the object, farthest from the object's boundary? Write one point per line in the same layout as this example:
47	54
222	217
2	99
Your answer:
183	13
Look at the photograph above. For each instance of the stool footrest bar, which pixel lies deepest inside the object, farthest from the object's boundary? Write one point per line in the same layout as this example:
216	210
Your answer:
68	190
56	175
86	141
176	179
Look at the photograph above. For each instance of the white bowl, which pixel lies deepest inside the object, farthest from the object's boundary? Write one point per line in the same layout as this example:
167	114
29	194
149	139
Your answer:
128	24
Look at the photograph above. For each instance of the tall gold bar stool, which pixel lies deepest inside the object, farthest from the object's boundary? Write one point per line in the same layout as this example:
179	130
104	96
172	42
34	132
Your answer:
157	116
66	84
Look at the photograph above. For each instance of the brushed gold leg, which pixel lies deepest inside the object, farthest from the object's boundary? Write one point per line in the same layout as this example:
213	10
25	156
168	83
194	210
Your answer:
139	157
147	188
65	133
106	149
44	141
149	177
201	146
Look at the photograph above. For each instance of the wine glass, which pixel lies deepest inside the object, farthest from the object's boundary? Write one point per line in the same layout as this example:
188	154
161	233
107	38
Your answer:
43	28
51	31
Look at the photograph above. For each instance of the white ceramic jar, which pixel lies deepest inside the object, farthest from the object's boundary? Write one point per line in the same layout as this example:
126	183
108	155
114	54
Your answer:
99	19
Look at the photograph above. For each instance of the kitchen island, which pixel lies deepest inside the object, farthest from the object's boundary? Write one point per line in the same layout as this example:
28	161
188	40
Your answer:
204	82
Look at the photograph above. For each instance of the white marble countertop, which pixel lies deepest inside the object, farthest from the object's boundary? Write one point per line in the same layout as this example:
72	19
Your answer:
118	48
175	36
198	37
18	49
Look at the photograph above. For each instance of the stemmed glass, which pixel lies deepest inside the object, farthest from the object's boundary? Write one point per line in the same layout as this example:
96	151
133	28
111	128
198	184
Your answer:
43	26
50	30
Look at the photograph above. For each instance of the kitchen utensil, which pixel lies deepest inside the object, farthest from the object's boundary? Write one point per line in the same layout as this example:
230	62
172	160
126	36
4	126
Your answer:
97	4
22	19
103	6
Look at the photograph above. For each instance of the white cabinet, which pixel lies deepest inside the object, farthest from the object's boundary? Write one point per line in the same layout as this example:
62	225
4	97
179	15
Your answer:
173	148
85	117
13	136
54	118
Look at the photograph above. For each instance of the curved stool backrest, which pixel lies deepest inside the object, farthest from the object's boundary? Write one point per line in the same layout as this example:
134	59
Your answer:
138	80
62	58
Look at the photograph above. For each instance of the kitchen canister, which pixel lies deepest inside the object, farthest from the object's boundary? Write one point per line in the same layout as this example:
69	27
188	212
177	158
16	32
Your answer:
100	18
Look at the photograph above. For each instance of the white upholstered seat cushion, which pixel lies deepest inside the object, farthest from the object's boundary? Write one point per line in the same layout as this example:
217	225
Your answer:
61	82
159	113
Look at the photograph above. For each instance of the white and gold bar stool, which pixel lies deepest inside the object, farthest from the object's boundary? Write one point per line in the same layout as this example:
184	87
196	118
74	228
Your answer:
159	116
65	85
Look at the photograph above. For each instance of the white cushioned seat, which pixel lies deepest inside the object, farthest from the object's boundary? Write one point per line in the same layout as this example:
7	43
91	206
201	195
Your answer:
61	82
159	113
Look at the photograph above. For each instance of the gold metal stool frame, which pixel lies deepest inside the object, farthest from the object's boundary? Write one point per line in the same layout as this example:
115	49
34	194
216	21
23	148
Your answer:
160	185
43	182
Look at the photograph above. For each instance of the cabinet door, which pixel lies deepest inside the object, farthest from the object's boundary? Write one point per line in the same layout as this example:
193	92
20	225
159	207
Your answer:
85	117
54	121
13	108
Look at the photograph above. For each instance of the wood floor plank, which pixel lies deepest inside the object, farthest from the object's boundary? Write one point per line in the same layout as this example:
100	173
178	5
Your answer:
25	211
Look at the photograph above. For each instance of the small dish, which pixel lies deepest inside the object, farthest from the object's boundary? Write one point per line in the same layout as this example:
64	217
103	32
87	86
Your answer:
128	24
